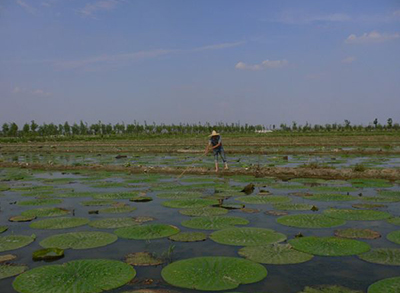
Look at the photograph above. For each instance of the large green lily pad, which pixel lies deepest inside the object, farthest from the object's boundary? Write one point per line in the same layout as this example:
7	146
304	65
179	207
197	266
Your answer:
329	246
117	210
213	273
145	232
383	199
394	221
59	223
263	199
190	203
293	206
11	270
368	183
394	236
334	188
117	195
21	218
247	236
214	223
329	289
278	254
330	197
383	256
143	259
45	212
180	195
48	254
204	212
310	221
40	202
83	276
394	193
12	242
79	240
357	233
98	202
113	223
390	285
189	237
3	229
356	215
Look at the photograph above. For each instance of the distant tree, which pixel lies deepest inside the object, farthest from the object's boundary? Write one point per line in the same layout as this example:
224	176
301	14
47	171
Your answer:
376	122
390	123
347	124
34	126
67	128
13	129
5	129
26	129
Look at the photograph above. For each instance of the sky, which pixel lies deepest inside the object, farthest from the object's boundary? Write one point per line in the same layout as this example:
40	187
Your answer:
190	61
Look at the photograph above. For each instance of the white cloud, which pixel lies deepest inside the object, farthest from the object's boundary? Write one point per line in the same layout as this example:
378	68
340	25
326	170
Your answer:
26	7
372	37
136	56
41	93
103	5
349	59
263	65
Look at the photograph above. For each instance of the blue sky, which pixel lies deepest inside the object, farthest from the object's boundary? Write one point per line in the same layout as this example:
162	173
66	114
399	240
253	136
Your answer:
258	62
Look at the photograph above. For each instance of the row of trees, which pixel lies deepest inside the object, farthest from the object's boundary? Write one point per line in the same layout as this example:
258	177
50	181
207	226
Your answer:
99	129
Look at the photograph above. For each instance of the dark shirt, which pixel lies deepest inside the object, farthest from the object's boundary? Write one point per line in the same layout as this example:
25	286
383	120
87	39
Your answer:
214	140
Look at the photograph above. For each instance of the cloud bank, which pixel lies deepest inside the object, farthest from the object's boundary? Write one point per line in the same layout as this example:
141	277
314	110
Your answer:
263	65
372	37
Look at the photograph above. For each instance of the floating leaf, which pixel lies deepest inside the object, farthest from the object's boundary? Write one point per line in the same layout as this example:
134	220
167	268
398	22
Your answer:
383	256
45	212
144	232
357	233
329	289
214	223
232	206
329	246
21	218
117	195
368	206
141	198
59	223
83	276
12	242
7	257
3	229
203	212
394	236
247	236
77	194
213	273
330	197
333	188
263	199
310	221
189	203
189	237
368	183
394	221
390	285
389	193
277	254
143	259
79	240
109	223
356	215
117	210
180	195
380	199
40	202
98	202
10	270
293	206
48	254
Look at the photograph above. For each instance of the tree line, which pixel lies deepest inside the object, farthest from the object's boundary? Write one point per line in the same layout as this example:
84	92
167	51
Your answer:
101	129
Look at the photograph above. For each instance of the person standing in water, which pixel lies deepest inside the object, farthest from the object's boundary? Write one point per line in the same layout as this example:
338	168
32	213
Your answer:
215	143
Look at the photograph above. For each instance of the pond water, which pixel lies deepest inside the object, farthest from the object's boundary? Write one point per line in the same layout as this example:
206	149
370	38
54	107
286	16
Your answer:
348	271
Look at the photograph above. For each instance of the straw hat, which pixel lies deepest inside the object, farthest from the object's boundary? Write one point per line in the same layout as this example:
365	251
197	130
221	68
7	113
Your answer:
214	133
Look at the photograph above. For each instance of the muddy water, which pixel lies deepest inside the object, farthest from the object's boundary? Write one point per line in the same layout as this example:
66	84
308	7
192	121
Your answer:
346	271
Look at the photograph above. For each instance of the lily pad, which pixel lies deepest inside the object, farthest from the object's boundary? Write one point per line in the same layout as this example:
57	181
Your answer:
117	195
145	232
98	202
214	223
48	254
380	199
117	210
59	223
330	197
232	206
368	206
7	257
141	198
114	223
40	202
310	221
277	254
143	259
383	256
3	229
334	188
45	212
370	183
293	206
247	236
12	242
189	203
11	270
84	276
394	236
180	195
79	240
203	212
213	273
356	215
357	233
390	285
263	199
393	193
394	221
329	246
329	289
21	218
189	237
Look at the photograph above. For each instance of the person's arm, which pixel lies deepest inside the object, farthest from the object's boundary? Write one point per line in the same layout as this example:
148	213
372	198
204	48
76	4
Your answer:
207	148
